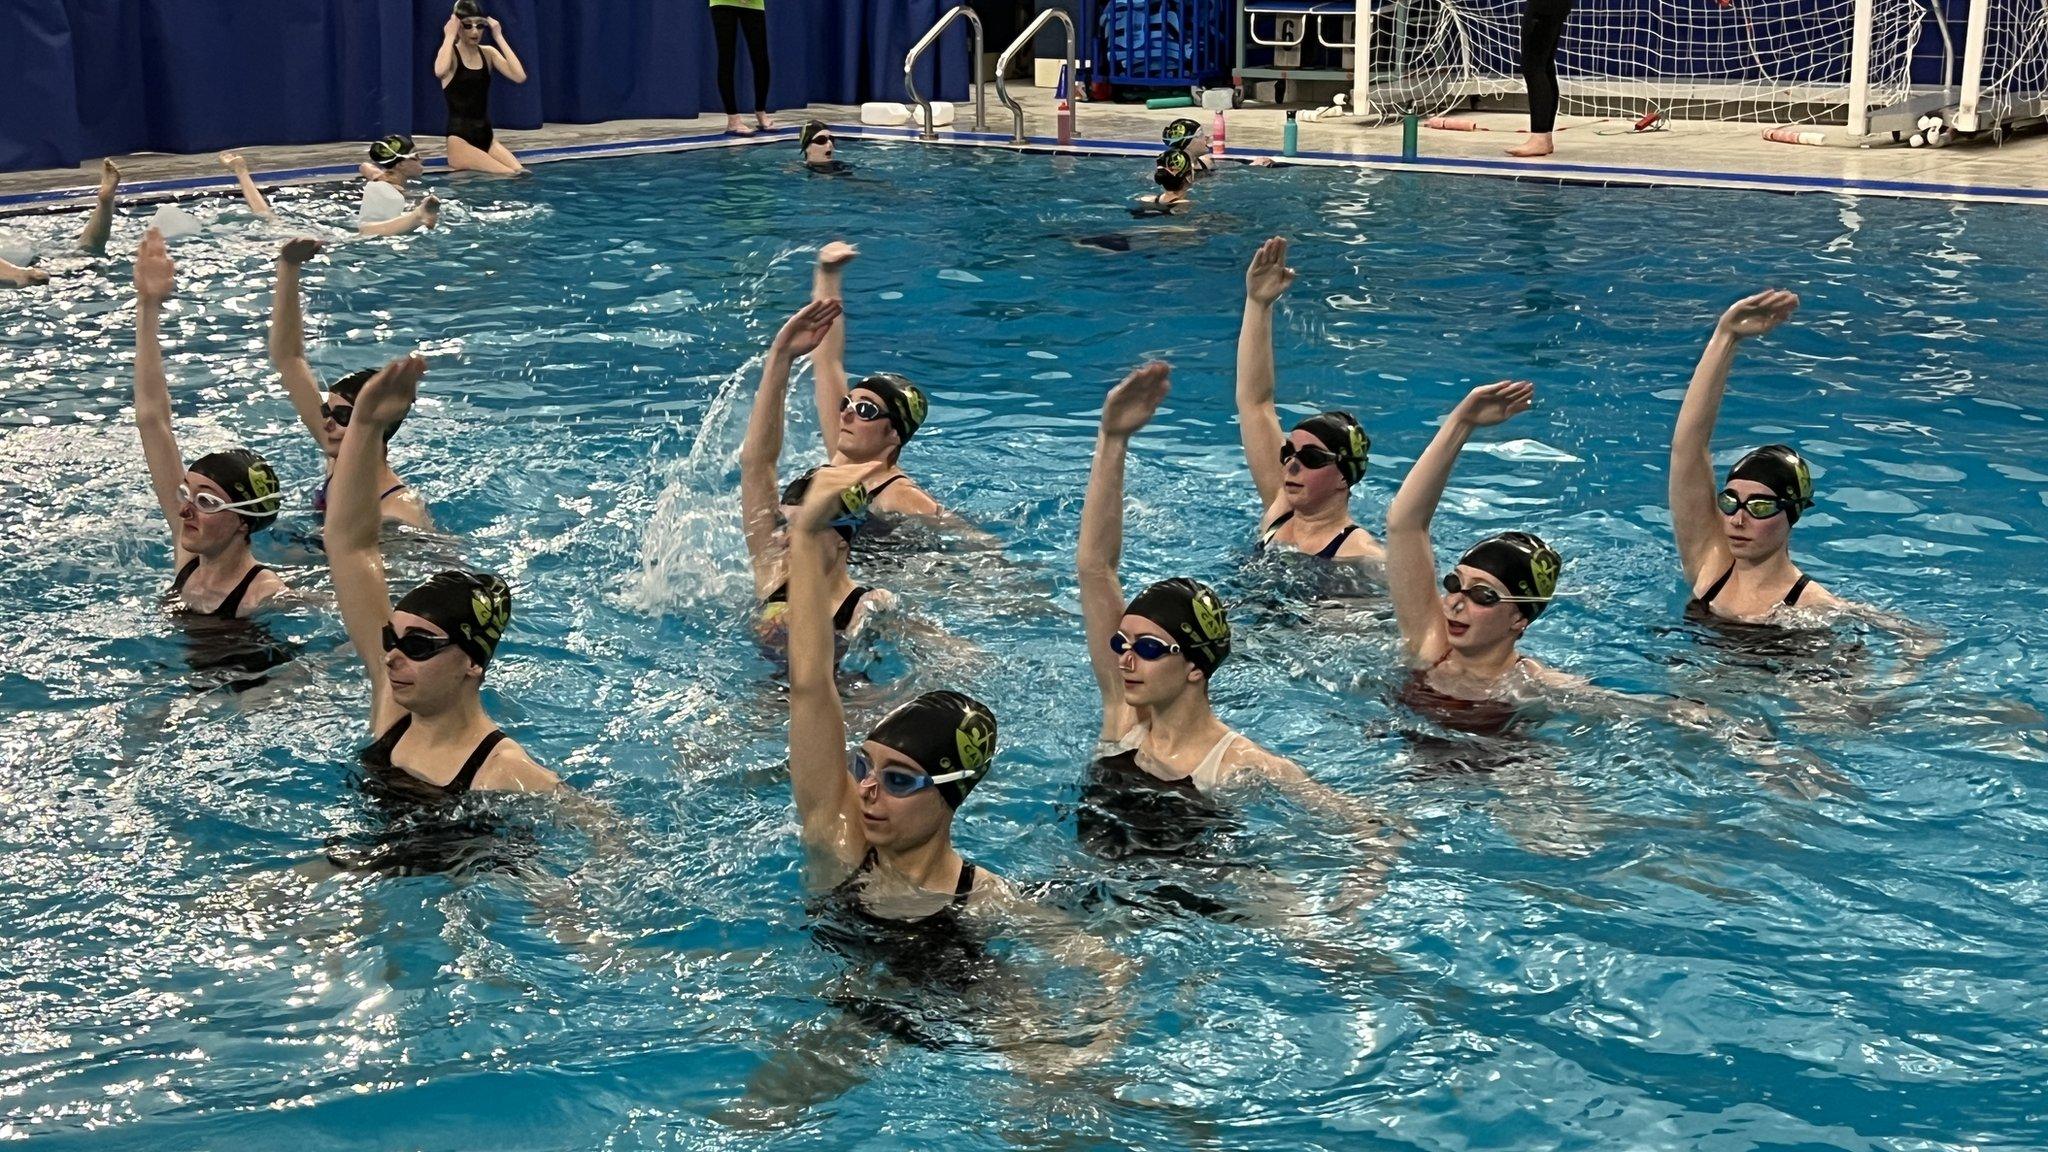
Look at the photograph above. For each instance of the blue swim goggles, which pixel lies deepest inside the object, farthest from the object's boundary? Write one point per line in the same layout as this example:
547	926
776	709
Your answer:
1148	648
897	781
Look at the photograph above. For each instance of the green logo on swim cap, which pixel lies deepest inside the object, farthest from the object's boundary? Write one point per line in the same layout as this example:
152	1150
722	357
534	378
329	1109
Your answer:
1543	568
975	741
1360	445
913	399
492	608
1209	616
1804	482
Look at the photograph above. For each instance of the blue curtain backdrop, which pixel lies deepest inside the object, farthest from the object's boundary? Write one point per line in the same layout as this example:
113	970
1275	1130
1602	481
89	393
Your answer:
89	78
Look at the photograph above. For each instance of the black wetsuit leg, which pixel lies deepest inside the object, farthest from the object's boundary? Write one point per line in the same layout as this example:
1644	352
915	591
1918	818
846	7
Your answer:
754	23
725	26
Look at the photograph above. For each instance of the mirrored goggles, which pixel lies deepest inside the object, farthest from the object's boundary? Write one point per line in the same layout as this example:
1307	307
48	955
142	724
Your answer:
1758	507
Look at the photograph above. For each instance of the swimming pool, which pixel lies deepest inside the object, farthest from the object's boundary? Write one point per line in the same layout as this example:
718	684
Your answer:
1622	937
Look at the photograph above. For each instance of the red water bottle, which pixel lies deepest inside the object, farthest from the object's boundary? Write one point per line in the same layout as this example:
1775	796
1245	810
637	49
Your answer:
1216	134
1066	122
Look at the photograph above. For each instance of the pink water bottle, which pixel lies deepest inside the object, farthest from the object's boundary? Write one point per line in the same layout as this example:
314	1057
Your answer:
1066	122
1216	135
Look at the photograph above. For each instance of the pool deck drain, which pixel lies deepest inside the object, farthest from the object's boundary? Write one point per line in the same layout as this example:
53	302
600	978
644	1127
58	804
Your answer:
1691	154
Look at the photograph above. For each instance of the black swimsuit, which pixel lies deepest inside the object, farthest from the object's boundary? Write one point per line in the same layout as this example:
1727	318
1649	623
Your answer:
841	619
1700	603
917	958
378	758
231	607
469	103
1328	552
422	828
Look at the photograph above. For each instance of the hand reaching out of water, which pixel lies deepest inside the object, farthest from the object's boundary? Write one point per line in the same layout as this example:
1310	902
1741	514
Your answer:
802	333
299	250
1131	404
1269	276
1758	314
836	255
390	393
1491	404
155	275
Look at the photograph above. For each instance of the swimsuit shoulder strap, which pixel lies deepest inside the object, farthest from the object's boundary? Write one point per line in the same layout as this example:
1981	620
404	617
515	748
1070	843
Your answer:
391	491
379	751
1207	772
475	763
965	887
184	574
232	606
1714	589
868	862
1273	529
780	595
878	489
1336	543
1798	589
847	607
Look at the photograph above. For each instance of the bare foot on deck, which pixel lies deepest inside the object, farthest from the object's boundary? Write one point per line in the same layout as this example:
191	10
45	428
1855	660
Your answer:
766	121
734	126
1538	144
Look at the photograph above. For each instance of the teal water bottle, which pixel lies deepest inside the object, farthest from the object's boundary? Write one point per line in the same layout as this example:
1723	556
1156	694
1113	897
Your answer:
1290	135
1409	124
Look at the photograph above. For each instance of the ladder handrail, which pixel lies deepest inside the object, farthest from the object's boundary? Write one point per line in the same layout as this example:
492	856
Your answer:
1003	67
930	38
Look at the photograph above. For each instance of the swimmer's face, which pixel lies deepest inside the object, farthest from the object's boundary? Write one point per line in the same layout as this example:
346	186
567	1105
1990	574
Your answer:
473	29
407	169
863	440
1153	683
1197	145
1475	628
431	685
206	533
1311	489
819	150
898	823
1749	538
337	407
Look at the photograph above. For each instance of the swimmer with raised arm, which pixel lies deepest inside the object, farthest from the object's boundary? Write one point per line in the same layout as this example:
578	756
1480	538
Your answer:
463	66
869	421
1305	478
765	516
1461	642
215	503
327	417
394	163
1735	545
426	657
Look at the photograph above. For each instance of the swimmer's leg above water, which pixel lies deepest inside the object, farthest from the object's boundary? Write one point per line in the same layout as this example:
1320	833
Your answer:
93	237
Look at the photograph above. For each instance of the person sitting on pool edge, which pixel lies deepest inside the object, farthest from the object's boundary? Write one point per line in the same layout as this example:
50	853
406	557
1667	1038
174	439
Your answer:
426	657
870	421
1734	546
815	141
1462	643
393	163
327	418
1304	479
218	501
1154	656
473	145
765	517
1173	172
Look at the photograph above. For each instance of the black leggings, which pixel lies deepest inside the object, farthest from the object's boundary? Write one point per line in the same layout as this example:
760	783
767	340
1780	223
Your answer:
726	23
1542	28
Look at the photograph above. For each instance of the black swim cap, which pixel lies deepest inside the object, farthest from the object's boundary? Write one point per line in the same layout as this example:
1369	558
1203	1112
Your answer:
1341	433
1523	563
1173	170
244	476
468	9
1178	133
943	732
811	128
473	608
386	153
905	401
1193	615
853	504
350	387
1779	468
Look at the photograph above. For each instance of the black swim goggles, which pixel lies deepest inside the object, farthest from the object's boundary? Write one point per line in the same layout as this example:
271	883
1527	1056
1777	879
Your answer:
897	781
865	410
1310	455
1148	648
416	646
341	414
820	138
476	23
1484	595
1758	507
210	504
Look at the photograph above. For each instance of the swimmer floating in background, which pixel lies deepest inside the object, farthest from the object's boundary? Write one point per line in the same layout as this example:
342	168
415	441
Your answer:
393	163
765	516
213	504
426	657
1174	173
816	143
92	239
328	417
464	66
1304	479
870	421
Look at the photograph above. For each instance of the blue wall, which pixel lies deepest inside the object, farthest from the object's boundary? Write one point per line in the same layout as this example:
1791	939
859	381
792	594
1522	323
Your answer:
89	78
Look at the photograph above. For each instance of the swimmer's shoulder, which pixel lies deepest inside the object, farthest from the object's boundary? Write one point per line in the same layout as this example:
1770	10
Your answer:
907	497
511	769
1363	547
267	587
1247	761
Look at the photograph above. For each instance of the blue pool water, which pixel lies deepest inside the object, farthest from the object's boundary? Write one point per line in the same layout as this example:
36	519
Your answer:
1825	932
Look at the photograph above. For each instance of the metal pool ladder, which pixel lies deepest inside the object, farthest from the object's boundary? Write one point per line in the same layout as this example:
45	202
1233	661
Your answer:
930	38
1003	68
